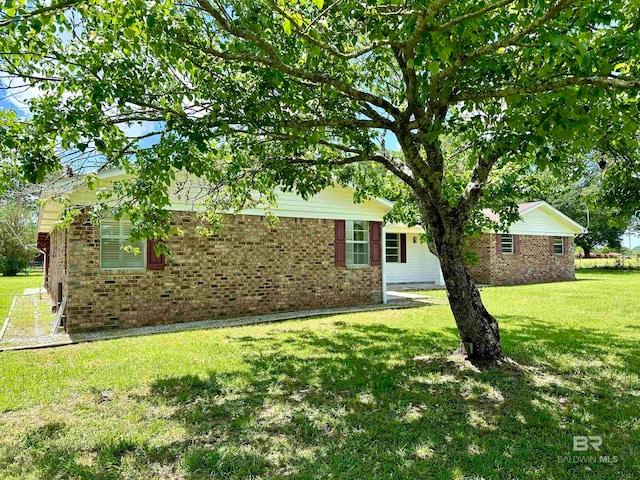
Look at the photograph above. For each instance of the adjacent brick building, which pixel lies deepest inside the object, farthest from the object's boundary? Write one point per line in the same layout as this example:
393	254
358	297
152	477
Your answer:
534	260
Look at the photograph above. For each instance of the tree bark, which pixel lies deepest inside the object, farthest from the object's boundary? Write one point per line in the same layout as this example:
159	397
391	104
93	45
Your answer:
478	329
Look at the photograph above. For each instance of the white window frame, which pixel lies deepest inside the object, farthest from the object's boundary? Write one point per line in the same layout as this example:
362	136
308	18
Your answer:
124	241
392	251
555	245
512	248
350	242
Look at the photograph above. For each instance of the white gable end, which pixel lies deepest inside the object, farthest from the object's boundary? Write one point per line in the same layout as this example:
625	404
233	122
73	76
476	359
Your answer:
545	221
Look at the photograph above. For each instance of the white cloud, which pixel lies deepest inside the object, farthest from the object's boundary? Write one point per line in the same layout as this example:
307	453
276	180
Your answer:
18	92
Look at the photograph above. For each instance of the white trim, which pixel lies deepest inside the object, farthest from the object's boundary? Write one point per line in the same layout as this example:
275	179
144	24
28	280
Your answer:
383	264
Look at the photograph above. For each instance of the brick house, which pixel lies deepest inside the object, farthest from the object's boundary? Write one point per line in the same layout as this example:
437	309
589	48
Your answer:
537	248
324	252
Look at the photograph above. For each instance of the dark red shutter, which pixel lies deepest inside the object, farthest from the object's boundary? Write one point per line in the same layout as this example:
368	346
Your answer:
551	249
340	247
375	243
516	244
154	262
498	243
565	242
403	248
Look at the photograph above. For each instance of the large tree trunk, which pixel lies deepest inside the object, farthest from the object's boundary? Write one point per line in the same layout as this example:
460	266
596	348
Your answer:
479	332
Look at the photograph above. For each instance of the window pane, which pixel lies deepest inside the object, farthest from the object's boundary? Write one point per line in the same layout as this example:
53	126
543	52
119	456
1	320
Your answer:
110	228
130	260
360	247
392	247
110	253
113	237
361	259
349	252
357	242
392	240
558	245
507	244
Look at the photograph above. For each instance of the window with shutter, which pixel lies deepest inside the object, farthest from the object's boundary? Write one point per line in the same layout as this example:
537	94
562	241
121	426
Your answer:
558	245
357	242
508	244
114	237
392	247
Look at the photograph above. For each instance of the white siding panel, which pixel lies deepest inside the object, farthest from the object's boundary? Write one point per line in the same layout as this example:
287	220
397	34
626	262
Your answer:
542	222
332	202
421	266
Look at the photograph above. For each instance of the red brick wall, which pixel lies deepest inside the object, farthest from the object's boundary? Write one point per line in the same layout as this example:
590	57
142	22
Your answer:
244	269
480	271
533	264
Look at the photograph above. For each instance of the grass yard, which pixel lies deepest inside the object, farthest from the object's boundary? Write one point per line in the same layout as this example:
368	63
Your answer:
359	396
10	286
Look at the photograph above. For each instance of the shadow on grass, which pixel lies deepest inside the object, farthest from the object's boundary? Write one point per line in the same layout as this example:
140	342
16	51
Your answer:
373	401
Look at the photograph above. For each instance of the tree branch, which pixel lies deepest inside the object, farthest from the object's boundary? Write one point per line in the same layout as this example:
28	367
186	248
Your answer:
470	16
274	60
324	46
605	82
482	51
40	11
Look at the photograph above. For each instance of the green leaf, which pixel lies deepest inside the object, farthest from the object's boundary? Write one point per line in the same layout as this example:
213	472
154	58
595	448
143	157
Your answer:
319	4
287	26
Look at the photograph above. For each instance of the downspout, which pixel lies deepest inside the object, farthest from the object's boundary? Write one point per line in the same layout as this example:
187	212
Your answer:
588	221
383	264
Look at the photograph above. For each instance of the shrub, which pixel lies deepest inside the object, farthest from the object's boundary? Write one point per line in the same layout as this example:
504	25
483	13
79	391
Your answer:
12	264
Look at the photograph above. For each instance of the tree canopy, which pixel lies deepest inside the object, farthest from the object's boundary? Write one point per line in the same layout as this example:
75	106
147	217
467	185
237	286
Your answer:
289	93
17	235
582	196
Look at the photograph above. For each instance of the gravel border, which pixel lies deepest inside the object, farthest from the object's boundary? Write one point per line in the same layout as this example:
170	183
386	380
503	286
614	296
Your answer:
63	339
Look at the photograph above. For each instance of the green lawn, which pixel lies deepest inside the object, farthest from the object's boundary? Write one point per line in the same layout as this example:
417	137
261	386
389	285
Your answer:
10	286
360	396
